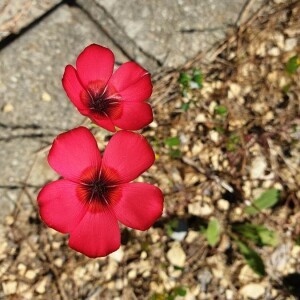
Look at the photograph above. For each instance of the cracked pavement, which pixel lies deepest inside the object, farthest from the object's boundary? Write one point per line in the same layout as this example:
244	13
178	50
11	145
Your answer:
33	105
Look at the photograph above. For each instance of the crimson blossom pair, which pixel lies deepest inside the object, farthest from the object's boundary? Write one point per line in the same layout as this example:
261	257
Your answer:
95	193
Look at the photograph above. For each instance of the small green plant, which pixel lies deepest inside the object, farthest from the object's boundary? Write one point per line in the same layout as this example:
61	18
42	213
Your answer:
172	141
292	65
171	226
194	81
266	200
213	232
221	110
258	234
197	78
177	291
232	142
252	258
173	144
185	106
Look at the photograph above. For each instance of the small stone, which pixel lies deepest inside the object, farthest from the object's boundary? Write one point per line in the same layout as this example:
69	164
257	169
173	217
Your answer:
178	235
111	285
153	124
41	287
295	251
23	287
21	269
190	179
7	108
176	175
247	275
9	287
144	255
46	97
204	277
118	255
201	118
274	51
214	136
119	284
31	274
111	269
188	296
176	255
269	116
79	272
253	291
197	148
173	272
212	106
56	245
192	236
290	44
261	50
9	220
258	167
234	90
146	274
59	262
132	274
229	294
197	209
223	204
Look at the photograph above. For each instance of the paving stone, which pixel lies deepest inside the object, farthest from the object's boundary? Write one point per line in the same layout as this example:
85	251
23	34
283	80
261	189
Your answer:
167	32
14	15
30	68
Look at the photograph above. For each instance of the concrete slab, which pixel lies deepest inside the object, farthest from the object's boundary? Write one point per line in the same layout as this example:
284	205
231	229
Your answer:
33	104
165	32
15	15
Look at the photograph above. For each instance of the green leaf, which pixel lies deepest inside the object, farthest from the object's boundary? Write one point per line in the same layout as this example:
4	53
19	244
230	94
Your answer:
213	232
252	258
220	129
180	291
292	65
175	153
232	142
185	106
172	141
184	79
268	237
266	200
171	226
221	110
198	78
259	234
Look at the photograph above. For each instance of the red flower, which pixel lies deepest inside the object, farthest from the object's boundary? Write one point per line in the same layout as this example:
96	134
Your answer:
109	99
95	192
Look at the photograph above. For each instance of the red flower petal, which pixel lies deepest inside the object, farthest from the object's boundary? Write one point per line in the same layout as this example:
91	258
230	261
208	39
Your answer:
141	204
135	115
97	234
129	154
73	152
104	122
132	82
95	63
59	205
73	87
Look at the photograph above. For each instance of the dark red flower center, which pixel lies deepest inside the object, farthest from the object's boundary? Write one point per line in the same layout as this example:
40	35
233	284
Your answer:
98	188
101	99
